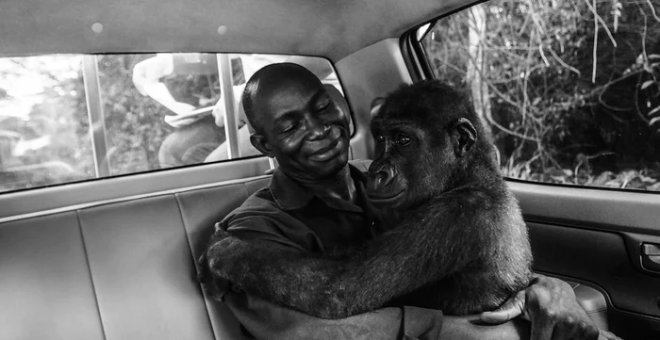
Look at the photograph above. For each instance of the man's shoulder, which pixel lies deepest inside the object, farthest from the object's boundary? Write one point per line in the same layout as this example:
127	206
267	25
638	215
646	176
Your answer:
260	201
260	217
255	211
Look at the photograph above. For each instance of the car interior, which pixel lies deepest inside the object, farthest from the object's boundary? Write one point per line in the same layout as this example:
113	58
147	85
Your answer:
115	257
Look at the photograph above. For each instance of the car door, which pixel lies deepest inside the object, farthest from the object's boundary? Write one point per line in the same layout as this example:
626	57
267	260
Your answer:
571	97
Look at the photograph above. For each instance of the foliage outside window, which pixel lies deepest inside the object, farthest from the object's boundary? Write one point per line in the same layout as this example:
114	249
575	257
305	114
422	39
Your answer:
153	111
570	89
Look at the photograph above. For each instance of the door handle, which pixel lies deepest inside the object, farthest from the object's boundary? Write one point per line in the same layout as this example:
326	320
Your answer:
651	257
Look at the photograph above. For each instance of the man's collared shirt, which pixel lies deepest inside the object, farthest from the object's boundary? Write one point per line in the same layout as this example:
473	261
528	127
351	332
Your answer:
291	215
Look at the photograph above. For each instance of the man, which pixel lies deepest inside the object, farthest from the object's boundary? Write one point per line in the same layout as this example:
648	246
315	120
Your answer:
316	202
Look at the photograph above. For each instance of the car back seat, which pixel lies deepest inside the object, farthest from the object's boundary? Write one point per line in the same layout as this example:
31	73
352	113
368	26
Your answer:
123	270
126	270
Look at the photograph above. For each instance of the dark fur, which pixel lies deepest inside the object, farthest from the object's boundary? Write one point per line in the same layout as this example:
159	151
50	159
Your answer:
457	243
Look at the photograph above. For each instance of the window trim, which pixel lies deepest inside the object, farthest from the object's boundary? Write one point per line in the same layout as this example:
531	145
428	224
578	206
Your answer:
45	200
89	69
413	52
95	114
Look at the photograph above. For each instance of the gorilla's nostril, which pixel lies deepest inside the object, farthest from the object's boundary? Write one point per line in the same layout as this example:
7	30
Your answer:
381	177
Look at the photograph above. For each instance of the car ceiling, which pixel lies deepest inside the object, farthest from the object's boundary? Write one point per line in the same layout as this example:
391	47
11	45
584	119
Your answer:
327	28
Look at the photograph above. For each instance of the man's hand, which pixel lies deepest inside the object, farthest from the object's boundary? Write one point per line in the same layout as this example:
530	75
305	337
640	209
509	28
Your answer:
551	306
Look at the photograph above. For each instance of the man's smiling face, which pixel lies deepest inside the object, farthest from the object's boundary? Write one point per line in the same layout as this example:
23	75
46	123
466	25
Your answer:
301	126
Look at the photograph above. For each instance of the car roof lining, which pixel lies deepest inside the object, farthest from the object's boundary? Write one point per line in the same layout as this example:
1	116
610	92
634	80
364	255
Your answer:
333	29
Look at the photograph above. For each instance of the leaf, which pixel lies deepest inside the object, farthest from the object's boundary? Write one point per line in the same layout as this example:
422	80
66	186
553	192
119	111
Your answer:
602	178
654	119
613	184
647	84
653	56
655	109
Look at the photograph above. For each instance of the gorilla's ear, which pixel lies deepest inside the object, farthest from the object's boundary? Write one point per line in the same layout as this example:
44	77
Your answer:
259	142
463	135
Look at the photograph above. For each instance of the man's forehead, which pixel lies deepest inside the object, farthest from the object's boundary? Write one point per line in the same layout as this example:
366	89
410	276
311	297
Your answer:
287	94
297	81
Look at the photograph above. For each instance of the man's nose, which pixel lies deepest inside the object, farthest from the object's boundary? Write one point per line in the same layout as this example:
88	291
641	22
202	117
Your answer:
316	129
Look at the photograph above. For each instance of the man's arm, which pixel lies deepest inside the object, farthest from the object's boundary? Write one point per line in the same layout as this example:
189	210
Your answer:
552	307
265	320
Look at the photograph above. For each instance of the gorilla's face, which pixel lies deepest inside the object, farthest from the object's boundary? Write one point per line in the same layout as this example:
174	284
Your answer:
405	171
422	147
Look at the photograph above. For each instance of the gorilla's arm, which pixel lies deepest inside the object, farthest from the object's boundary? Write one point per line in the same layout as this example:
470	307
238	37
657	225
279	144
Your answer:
434	241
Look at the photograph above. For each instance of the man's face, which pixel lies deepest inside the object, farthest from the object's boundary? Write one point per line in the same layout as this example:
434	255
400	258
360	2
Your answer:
302	127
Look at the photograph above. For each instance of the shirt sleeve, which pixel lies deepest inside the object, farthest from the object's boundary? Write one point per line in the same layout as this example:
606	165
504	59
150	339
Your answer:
267	223
264	320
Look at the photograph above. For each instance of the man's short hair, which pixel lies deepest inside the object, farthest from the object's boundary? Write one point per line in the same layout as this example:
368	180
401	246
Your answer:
266	74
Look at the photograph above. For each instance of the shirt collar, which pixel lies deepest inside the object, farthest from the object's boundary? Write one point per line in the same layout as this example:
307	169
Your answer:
290	195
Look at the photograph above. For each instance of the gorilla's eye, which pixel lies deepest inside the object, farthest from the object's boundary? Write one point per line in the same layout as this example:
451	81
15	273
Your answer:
402	140
380	139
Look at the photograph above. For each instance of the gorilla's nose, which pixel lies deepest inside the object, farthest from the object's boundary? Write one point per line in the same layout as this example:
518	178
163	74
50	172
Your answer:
380	178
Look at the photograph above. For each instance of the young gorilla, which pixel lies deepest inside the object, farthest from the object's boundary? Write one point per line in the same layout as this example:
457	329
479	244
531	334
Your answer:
455	240
434	174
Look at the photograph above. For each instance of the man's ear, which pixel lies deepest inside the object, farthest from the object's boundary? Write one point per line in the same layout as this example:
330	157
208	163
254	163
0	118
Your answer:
463	136
260	143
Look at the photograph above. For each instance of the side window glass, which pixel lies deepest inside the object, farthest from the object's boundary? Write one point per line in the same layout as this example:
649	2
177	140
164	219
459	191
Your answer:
43	122
570	90
67	118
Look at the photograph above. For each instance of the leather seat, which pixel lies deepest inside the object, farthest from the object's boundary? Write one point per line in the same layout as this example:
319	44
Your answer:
126	270
123	270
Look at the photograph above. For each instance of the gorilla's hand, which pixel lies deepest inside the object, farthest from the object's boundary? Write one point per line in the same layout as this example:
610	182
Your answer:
551	306
215	285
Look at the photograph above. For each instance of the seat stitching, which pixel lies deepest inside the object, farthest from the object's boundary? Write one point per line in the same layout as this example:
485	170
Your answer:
89	270
195	265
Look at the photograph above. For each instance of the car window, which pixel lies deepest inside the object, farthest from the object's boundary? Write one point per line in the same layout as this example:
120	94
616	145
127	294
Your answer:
570	90
67	118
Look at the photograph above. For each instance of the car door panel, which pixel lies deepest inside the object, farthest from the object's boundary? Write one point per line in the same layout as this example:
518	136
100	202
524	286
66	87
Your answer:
595	236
